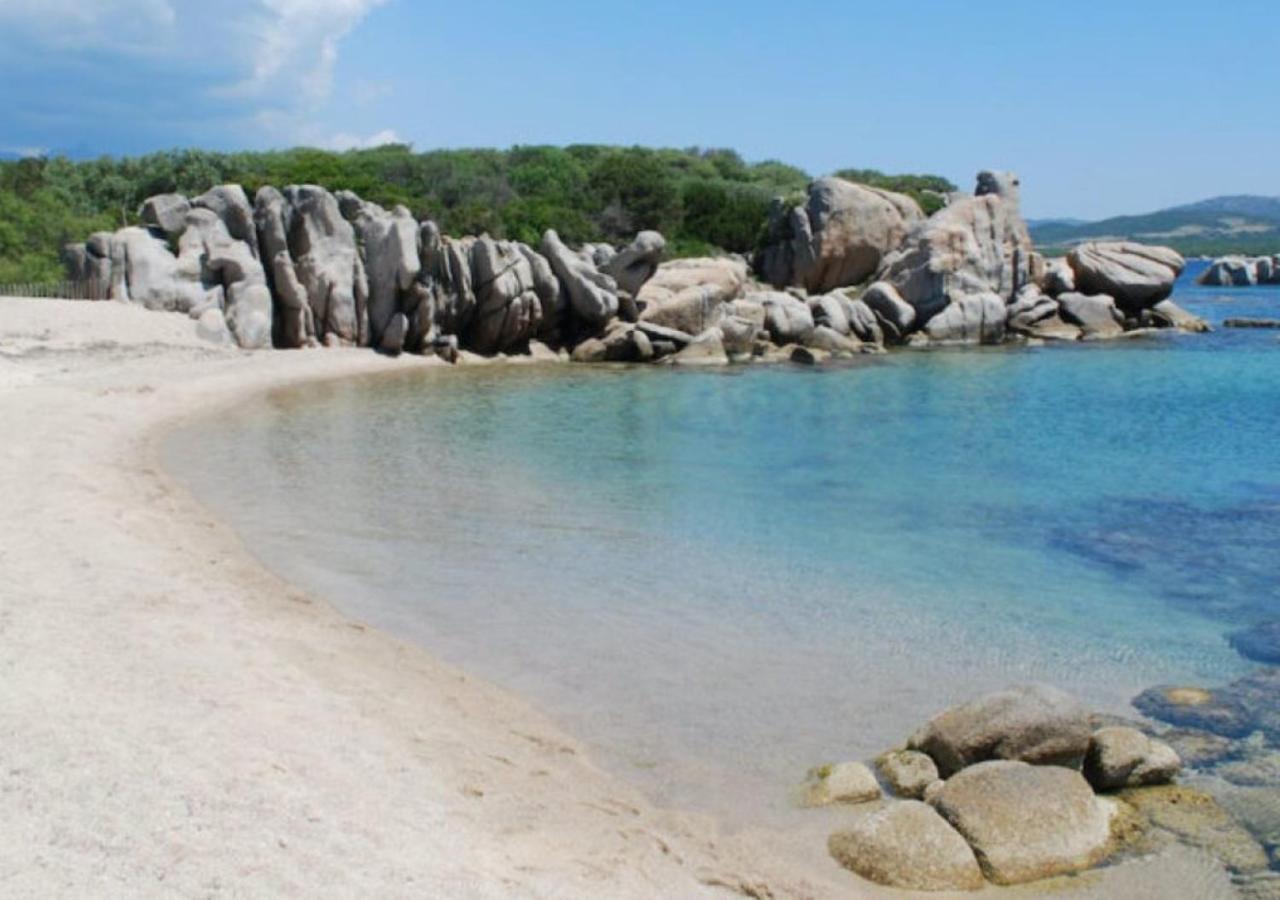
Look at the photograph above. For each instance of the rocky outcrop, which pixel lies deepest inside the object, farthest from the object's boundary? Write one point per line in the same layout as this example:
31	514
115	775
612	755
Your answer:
686	294
508	308
1236	710
323	247
909	846
837	238
1137	276
976	249
166	213
1033	723
636	263
592	295
1027	823
231	205
1241	271
1097	317
786	318
392	262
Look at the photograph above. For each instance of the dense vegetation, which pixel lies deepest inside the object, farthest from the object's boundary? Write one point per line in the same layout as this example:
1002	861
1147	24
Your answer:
702	200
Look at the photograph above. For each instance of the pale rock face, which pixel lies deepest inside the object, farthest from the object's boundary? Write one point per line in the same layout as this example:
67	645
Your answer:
685	293
391	259
1032	723
909	846
1167	314
1027	823
787	318
896	315
230	204
166	213
592	295
969	319
831	311
159	280
1135	275
834	343
838	238
294	326
446	281
327	264
545	284
508	309
636	263
848	783
1098	317
212	327
1121	757
707	349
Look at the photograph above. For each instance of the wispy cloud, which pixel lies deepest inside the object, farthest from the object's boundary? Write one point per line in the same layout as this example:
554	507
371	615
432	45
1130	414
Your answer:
260	62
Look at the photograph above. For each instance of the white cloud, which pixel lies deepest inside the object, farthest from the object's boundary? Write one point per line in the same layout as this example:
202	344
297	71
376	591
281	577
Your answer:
271	59
344	141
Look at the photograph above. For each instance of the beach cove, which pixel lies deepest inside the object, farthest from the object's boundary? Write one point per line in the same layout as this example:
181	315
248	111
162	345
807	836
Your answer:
211	772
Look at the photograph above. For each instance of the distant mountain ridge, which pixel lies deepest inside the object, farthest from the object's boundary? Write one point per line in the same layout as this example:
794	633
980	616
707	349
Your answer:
1242	223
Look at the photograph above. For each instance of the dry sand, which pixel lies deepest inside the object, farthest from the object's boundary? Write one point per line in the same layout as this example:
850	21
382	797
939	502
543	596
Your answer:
176	721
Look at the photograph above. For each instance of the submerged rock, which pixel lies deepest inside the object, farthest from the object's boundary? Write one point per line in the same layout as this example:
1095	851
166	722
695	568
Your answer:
906	845
1260	643
1235	710
1026	823
1032	723
1196	818
1121	757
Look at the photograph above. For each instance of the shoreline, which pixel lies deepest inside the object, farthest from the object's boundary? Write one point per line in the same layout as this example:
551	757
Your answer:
246	736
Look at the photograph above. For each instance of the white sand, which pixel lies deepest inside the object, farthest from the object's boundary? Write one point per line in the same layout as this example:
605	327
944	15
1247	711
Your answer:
176	721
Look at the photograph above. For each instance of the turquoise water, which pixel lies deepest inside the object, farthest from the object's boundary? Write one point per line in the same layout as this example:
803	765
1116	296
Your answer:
720	579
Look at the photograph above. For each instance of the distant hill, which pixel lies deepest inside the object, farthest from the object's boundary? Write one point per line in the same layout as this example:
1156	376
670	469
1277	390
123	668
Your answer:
1238	224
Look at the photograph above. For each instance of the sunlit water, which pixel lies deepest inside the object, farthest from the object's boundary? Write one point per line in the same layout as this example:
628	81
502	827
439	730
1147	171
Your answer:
719	579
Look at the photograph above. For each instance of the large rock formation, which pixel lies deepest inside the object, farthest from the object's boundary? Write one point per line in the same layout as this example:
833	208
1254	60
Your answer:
322	245
837	238
592	295
974	253
1241	271
636	263
508	308
392	262
1026	823
1032	723
1135	275
686	293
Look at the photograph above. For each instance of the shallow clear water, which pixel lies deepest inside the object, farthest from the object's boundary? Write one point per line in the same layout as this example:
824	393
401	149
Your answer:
719	579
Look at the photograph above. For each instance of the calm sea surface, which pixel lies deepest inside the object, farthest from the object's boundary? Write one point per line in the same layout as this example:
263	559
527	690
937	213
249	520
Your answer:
720	579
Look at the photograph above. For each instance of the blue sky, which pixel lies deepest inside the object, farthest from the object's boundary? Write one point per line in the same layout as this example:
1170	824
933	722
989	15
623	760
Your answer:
1103	108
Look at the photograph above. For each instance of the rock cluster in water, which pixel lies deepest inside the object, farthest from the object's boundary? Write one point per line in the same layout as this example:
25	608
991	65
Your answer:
849	271
1241	271
1025	784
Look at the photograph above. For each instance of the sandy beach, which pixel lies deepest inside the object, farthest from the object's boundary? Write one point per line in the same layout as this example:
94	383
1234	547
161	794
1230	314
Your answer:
177	721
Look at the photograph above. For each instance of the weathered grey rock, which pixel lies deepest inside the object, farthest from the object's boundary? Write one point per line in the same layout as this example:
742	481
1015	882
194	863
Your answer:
1238	322
837	239
1026	823
830	310
230	264
119	256
894	314
738	335
636	263
657	332
592	350
975	246
1058	278
1005	185
508	308
446	282
1137	276
908	772
393	335
1235	271
167	213
323	247
230	204
787	318
863	323
155	277
707	349
1037	316
392	259
1098	317
831	341
547	288
1032	723
294	326
1121	757
969	319
1167	314
592	295
849	783
212	327
686	293
906	845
